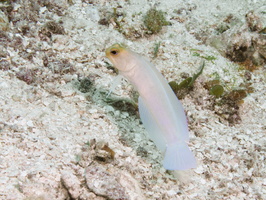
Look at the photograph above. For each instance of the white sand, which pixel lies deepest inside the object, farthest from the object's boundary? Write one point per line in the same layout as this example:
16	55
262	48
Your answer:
44	126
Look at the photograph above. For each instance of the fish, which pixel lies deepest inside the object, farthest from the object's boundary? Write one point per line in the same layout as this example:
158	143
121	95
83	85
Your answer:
161	113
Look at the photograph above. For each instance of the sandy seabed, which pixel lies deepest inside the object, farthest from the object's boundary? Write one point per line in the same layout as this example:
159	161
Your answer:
61	138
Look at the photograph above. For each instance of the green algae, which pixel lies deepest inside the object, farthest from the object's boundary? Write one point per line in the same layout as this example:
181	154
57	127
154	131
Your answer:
154	20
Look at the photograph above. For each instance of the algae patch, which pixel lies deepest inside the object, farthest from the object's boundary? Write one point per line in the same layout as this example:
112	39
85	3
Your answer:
154	20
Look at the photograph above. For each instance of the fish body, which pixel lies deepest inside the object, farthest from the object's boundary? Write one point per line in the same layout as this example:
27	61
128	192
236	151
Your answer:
161	112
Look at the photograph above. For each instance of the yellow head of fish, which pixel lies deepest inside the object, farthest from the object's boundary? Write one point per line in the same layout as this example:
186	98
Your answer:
120	56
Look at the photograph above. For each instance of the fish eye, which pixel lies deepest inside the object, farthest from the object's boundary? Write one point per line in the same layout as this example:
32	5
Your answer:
114	52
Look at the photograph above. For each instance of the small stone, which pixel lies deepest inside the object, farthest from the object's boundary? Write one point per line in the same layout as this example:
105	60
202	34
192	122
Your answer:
199	170
16	98
30	123
4	180
93	110
4	85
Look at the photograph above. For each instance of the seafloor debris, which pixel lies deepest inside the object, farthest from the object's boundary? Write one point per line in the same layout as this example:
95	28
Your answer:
217	90
50	28
27	75
103	183
85	85
4	23
101	151
72	184
75	188
112	183
243	43
186	85
154	20
44	124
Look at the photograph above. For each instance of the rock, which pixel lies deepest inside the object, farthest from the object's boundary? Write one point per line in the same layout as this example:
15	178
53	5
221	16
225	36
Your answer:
131	185
113	184
72	184
102	183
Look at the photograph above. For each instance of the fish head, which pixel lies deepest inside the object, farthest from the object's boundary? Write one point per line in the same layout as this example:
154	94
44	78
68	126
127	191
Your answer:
121	57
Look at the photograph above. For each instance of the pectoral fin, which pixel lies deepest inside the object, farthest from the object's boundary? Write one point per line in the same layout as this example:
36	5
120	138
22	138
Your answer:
114	84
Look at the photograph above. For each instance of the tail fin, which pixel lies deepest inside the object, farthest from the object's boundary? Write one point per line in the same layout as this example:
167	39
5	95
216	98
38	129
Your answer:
179	157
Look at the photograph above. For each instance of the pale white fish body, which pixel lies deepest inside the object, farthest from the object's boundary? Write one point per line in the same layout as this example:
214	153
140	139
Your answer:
161	112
